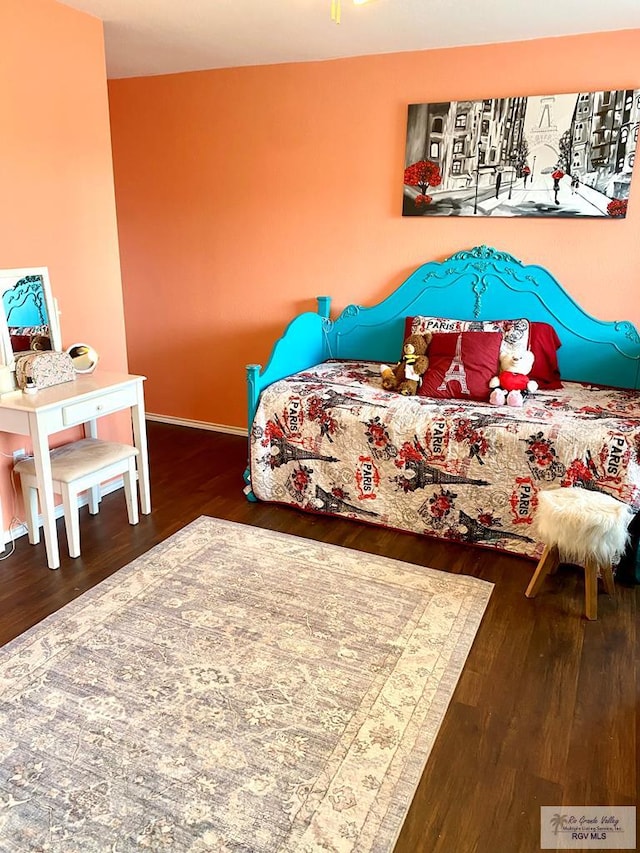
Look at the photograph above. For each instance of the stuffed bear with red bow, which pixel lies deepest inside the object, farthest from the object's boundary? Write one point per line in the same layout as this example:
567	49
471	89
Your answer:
512	384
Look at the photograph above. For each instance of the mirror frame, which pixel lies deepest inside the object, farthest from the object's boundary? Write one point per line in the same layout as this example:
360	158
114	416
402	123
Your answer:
8	279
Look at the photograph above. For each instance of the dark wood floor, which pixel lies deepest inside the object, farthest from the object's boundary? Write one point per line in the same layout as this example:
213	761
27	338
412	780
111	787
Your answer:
545	713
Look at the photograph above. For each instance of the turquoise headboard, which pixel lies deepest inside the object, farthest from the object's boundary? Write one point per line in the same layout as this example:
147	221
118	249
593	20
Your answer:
479	284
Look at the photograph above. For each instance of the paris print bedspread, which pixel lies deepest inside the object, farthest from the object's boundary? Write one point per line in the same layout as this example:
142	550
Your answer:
331	440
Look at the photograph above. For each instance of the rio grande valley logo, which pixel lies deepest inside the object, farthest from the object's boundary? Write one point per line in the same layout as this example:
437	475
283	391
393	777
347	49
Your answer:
588	828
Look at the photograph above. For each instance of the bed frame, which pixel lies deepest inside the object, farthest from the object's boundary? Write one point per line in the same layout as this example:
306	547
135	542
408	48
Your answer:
479	284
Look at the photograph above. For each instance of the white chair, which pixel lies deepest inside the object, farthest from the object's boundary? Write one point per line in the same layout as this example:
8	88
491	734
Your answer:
76	467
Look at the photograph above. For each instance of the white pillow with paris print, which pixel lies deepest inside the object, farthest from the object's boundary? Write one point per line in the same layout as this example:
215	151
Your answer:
515	333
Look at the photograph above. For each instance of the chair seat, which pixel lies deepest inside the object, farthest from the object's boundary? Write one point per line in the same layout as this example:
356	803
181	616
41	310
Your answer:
79	458
582	524
76	467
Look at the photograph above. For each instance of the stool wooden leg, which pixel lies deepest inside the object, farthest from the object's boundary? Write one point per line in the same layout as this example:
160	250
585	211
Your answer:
606	573
548	564
591	589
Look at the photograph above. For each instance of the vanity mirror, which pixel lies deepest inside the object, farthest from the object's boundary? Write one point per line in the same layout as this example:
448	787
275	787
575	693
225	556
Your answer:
29	317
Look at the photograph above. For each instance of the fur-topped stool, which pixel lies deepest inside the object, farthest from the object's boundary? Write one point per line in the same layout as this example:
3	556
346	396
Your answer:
582	527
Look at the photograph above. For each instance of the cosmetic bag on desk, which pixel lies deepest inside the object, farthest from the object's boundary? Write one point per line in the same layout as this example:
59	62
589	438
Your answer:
43	369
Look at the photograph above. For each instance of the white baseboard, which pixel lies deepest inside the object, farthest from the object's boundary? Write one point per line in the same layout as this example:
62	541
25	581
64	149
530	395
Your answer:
20	529
165	419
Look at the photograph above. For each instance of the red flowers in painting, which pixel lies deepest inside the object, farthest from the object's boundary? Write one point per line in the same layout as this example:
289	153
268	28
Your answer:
423	174
617	207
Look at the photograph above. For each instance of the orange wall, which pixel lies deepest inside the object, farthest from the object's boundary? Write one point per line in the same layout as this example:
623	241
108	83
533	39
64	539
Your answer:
56	180
243	193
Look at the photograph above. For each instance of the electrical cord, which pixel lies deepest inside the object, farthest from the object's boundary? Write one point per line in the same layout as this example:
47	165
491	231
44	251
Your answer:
15	521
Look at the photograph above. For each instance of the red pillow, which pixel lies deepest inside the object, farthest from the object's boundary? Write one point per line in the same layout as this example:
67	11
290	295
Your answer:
461	365
544	344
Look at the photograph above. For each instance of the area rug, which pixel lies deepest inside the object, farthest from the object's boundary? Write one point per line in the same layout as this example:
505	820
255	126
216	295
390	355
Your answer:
234	689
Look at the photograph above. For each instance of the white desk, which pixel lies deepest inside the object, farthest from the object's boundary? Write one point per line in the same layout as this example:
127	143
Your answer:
57	408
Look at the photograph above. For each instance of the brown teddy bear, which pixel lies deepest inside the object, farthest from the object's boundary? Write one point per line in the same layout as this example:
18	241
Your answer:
405	376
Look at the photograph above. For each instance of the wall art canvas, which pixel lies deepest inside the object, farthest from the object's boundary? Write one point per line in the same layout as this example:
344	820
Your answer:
545	155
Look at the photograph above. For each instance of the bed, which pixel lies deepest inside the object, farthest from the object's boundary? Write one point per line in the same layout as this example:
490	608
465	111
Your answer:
325	437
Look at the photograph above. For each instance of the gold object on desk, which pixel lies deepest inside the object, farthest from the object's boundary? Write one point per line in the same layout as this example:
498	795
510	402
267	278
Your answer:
84	358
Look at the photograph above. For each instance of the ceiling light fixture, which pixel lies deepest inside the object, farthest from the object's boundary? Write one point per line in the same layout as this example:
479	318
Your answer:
336	10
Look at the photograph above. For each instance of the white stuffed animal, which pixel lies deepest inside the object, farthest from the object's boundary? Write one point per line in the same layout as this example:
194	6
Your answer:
512	383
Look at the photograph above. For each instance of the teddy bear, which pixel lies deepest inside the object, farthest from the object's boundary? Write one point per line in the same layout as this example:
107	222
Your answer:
405	376
513	384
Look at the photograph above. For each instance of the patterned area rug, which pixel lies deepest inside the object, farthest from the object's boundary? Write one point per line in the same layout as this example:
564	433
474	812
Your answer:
234	689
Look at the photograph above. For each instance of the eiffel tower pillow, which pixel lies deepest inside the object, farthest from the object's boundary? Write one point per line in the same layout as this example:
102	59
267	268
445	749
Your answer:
461	365
515	333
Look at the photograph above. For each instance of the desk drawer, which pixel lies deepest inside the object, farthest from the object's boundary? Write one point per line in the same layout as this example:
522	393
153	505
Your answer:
96	407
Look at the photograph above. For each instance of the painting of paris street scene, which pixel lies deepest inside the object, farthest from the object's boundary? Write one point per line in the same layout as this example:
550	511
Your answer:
548	155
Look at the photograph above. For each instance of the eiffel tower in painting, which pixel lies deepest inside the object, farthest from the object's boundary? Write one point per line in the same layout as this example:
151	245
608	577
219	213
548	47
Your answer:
477	532
456	370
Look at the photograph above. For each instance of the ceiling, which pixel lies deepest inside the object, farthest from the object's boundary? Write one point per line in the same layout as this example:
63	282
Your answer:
147	37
